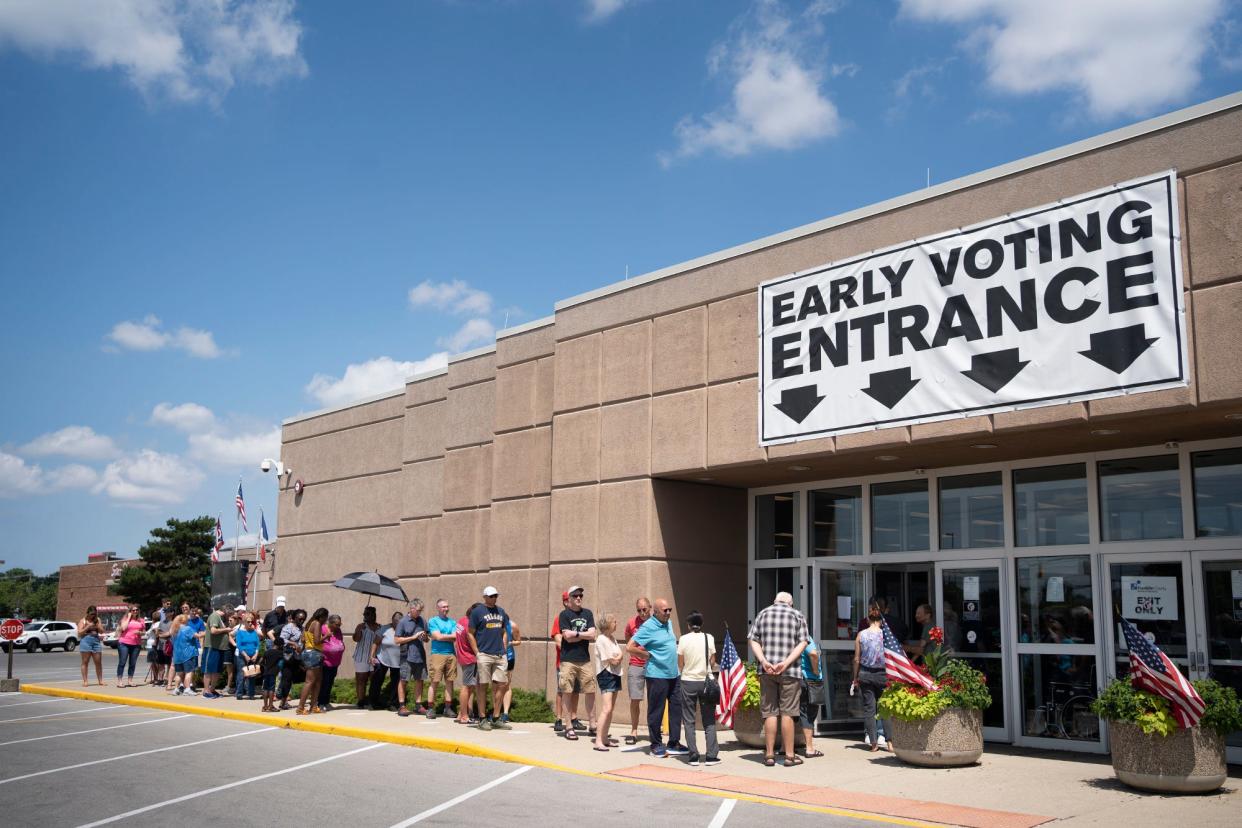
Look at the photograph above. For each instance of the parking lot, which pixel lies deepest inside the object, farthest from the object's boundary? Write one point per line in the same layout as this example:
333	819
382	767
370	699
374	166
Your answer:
80	763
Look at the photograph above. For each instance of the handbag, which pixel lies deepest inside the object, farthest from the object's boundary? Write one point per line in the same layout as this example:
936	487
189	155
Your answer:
250	670
711	687
816	693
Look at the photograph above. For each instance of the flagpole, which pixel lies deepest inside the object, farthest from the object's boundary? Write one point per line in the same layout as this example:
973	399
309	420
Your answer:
254	576
237	524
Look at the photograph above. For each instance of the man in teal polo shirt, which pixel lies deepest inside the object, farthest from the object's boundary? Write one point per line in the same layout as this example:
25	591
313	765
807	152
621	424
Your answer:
656	640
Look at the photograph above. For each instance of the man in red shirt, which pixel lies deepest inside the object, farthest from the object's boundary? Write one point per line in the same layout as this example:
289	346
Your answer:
634	679
468	666
555	635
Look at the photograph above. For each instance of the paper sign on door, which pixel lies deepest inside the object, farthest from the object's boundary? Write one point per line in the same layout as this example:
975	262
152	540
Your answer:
1149	598
970	588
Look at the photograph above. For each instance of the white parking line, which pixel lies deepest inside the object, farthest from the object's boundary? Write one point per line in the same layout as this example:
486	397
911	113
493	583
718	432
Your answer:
95	730
238	783
23	704
62	713
133	755
722	813
430	812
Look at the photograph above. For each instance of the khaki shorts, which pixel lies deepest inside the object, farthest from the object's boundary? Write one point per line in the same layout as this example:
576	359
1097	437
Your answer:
779	696
492	669
576	678
443	668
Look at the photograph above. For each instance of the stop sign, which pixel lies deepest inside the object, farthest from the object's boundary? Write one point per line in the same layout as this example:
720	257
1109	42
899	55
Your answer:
11	629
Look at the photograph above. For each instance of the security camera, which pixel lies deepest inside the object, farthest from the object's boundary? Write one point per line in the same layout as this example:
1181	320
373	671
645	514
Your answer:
266	466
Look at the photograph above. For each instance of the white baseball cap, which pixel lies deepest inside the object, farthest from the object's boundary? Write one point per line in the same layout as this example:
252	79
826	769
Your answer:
239	608
280	600
489	591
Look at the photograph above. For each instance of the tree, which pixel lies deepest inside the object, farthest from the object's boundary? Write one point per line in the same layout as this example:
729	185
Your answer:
34	595
177	563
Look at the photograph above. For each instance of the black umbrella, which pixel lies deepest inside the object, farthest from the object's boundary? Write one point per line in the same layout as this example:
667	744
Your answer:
372	583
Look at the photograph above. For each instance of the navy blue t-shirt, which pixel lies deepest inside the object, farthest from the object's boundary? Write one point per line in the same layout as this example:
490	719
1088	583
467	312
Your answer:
488	626
412	652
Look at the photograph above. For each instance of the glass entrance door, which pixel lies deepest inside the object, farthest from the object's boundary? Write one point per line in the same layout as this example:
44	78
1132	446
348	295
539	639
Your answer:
1153	592
1218	588
840	601
972	607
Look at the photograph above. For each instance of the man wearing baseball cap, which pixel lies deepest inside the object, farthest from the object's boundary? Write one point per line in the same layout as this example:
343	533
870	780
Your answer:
275	620
575	675
489	640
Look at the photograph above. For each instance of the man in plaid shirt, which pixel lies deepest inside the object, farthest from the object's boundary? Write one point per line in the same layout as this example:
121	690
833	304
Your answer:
777	638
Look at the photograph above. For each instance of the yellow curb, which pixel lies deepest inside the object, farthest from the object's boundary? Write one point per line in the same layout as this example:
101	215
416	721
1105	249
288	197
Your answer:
459	748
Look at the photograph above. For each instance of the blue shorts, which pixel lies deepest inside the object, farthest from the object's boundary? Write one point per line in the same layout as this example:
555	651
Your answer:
269	682
608	682
188	666
312	659
91	644
215	659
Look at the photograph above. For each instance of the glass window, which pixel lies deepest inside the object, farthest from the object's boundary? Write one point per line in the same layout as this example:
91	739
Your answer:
899	516
1054	600
775	517
836	521
1140	498
842	603
1218	492
768	582
1050	505
1057	691
971	513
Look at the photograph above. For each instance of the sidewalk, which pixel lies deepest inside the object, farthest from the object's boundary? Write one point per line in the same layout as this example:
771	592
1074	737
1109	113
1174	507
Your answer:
1011	787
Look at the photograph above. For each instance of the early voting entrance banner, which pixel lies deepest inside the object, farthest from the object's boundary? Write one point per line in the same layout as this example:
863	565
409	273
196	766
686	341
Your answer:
1072	301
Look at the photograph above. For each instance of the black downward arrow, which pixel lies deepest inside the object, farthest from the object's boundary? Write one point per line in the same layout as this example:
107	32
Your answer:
1117	349
888	387
994	370
797	403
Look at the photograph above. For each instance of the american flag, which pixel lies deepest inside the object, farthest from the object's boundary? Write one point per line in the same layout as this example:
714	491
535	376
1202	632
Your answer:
215	552
241	507
899	667
263	539
732	682
1151	670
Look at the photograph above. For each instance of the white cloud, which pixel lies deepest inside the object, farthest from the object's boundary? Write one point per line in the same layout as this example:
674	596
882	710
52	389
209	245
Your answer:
1120	56
18	478
455	297
367	379
73	441
149	335
184	417
181	50
229	452
476	331
777	97
598	10
149	478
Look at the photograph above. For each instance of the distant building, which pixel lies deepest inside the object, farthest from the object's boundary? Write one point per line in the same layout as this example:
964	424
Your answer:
90	584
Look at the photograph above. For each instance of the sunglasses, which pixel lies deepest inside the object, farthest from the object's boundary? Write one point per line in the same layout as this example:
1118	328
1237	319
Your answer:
666	611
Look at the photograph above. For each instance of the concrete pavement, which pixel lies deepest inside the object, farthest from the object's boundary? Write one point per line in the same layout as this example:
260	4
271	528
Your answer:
1010	786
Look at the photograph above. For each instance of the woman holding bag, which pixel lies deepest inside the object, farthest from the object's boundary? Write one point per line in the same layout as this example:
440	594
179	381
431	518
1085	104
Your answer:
812	697
696	657
129	644
245	641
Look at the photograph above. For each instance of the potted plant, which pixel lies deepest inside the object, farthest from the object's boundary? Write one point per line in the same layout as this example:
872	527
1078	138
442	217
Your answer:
1152	752
941	727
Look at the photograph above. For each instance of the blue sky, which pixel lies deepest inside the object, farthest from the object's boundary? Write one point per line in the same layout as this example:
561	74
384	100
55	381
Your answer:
220	215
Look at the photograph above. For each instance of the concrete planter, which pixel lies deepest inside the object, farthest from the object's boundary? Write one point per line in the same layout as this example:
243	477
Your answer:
748	728
952	738
1188	761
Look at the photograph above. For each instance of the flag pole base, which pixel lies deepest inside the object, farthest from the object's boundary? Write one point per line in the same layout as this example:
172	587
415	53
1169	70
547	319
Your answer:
10	685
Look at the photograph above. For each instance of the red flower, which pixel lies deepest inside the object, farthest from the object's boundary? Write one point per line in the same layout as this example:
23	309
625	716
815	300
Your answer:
935	635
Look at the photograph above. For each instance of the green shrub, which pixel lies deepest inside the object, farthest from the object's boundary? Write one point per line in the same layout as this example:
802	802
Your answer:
960	686
528	705
1121	701
750	698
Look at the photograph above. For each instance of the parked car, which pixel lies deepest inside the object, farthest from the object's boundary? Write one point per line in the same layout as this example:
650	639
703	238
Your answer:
109	640
44	635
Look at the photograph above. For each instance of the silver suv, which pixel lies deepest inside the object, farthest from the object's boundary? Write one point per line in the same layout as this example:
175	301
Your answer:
44	635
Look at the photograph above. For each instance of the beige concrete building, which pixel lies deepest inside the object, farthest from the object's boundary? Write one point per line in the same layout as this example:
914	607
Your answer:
616	445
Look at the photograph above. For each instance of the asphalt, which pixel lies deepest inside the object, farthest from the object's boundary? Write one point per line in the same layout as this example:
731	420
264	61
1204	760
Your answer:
78	763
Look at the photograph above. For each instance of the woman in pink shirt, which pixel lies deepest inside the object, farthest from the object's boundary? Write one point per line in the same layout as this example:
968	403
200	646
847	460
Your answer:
333	652
129	643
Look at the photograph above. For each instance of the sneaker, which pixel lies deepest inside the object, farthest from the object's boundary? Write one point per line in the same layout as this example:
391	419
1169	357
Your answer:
558	727
711	761
677	750
693	758
658	751
403	711
450	712
503	724
486	724
881	741
190	692
177	692
421	710
212	695
431	713
578	725
504	717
